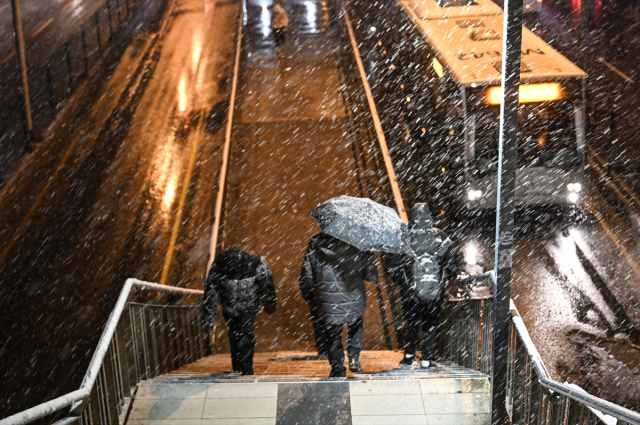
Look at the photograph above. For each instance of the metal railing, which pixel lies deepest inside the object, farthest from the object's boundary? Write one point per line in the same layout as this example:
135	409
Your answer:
533	397
55	76
140	341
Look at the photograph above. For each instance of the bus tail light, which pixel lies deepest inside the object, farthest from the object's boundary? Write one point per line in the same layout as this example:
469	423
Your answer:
542	92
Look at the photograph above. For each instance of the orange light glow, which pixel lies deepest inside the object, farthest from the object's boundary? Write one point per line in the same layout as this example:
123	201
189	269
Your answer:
437	67
528	93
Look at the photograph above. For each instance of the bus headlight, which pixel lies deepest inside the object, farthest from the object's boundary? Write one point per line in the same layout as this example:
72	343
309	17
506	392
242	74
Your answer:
574	187
573	197
474	194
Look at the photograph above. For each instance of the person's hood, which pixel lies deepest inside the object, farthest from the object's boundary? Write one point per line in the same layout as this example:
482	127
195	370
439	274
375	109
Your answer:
236	264
420	218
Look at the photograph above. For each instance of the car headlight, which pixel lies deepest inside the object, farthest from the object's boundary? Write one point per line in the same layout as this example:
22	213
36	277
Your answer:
474	194
574	187
573	197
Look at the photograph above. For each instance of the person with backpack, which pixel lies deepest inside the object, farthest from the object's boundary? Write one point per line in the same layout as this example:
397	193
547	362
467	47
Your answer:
332	282
239	281
422	283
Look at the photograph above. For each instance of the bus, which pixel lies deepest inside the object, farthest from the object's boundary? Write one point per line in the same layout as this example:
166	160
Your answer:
435	68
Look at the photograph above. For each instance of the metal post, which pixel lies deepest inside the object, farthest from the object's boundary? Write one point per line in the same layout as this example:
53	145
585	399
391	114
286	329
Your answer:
511	51
612	138
22	60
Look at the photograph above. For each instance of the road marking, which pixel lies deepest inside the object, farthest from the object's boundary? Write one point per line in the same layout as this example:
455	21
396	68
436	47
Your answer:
185	187
617	71
183	199
66	6
41	27
9	56
614	238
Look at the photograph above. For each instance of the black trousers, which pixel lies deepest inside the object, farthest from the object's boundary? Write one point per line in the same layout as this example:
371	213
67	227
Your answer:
416	312
242	341
318	329
333	335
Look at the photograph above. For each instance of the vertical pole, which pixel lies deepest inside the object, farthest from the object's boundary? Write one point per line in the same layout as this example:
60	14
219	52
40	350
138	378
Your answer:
26	100
584	50
511	51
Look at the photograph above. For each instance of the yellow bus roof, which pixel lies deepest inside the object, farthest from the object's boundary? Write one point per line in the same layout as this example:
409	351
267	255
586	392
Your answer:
469	46
429	9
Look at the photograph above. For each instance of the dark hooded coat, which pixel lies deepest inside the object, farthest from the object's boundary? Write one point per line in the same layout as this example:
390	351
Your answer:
426	238
239	281
332	279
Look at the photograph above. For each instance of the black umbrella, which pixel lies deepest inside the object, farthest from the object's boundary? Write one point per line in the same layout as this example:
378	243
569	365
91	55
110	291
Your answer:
364	224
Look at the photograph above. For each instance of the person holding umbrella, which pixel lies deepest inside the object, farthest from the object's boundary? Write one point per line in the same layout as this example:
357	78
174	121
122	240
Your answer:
336	264
422	281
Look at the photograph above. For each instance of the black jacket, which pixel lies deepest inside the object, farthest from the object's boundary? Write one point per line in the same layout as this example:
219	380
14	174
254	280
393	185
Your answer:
426	238
332	279
238	281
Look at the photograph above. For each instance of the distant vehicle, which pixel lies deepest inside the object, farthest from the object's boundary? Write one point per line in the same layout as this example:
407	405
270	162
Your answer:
441	65
531	7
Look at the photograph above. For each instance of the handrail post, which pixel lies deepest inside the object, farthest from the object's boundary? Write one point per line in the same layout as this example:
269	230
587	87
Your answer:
22	62
511	51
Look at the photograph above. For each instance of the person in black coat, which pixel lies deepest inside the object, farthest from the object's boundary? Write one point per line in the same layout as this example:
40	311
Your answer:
332	282
239	281
434	243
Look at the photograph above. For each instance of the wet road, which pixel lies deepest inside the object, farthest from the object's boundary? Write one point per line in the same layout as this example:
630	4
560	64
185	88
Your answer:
577	287
126	194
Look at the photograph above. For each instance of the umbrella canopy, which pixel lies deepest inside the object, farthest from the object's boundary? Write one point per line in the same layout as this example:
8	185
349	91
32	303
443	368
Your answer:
364	224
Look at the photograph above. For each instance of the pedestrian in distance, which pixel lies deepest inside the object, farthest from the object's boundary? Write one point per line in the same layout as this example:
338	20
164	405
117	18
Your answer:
332	282
239	281
422	282
279	23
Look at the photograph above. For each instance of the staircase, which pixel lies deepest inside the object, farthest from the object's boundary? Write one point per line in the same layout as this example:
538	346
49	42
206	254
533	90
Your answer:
293	388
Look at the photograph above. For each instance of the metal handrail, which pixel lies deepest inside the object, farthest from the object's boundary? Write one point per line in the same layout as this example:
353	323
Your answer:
78	398
546	381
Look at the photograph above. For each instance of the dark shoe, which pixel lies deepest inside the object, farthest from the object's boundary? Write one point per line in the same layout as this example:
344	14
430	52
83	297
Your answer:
338	373
408	361
354	366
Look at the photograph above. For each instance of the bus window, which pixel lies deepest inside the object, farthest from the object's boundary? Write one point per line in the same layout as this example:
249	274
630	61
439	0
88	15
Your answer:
546	137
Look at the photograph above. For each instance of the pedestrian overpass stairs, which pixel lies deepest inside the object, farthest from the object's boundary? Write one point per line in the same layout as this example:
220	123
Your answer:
153	365
291	388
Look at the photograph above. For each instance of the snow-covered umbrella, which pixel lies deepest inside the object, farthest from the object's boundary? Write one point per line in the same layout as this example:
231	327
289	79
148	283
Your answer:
364	224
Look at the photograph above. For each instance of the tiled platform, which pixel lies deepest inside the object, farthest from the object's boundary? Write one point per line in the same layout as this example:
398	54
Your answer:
296	392
377	364
412	401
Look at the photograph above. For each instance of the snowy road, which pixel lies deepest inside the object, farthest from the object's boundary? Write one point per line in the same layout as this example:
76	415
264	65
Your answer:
124	193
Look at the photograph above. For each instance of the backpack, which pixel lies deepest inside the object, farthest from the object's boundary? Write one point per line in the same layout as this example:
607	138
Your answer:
426	284
240	295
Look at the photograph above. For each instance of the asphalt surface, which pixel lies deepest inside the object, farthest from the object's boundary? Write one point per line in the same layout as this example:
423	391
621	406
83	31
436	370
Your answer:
127	193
